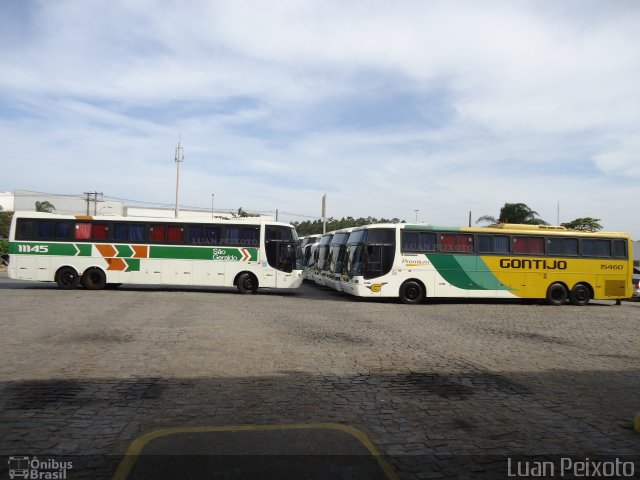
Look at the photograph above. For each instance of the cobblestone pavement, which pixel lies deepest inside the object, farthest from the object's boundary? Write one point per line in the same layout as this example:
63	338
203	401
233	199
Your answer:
443	390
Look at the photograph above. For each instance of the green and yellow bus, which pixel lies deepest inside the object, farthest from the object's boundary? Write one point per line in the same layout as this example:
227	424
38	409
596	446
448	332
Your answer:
101	251
413	262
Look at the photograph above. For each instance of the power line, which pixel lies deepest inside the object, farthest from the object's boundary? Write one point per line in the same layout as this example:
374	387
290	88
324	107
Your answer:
92	197
300	215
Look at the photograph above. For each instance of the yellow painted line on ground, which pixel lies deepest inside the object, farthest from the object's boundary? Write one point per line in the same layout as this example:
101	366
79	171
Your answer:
136	447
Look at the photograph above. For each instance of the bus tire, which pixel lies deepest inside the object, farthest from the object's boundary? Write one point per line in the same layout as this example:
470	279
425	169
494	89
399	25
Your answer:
580	295
247	283
557	294
94	279
411	292
67	278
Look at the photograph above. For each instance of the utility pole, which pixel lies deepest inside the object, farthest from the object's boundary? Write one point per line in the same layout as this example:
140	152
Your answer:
212	196
416	215
95	201
276	214
179	159
324	213
469	217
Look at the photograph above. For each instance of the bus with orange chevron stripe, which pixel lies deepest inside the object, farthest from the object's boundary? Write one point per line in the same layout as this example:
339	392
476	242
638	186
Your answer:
416	261
105	251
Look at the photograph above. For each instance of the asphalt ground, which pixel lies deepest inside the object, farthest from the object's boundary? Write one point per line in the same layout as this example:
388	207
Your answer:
141	382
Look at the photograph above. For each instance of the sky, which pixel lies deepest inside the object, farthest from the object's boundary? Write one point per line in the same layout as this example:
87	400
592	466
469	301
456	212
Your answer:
388	107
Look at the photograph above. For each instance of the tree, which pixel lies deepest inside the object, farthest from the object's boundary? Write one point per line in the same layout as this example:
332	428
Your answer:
514	213
5	225
585	224
44	206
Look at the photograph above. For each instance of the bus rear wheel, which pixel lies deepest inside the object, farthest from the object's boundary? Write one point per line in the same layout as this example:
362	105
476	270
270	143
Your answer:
94	279
67	278
580	295
411	292
247	283
557	294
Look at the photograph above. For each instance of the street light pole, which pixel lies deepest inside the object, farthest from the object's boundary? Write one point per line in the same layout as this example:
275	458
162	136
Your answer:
416	215
212	195
179	160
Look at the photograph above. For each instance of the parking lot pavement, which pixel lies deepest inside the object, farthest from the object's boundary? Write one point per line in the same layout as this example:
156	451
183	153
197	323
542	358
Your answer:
440	390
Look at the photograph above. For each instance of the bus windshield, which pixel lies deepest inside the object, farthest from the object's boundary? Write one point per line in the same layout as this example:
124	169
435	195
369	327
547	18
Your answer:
283	248
374	257
337	252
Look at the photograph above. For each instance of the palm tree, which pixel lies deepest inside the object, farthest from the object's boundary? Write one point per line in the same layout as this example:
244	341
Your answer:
44	206
514	213
585	224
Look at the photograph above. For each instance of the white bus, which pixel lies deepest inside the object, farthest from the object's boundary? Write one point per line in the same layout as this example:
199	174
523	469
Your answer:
412	262
322	260
309	258
101	251
337	253
308	240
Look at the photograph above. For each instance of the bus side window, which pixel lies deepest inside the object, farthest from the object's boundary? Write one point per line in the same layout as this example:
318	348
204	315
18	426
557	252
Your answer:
249	237
45	230
100	231
175	233
212	235
136	233
121	232
596	248
25	229
83	231
195	234
63	230
157	233
620	248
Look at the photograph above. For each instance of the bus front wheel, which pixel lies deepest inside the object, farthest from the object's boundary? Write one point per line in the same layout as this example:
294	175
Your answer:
247	283
67	278
94	279
557	294
580	295
411	292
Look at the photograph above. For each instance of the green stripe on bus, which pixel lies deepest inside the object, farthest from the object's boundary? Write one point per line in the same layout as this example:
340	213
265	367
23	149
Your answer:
133	264
62	249
468	272
202	253
124	251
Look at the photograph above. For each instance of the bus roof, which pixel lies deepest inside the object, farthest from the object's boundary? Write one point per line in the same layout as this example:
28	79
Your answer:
502	228
120	218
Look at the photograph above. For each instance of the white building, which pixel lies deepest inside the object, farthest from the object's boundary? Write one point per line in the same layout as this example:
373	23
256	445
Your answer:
25	200
6	201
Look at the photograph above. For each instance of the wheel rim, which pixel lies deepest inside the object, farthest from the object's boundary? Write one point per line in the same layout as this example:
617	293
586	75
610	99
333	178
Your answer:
248	284
412	292
67	278
581	294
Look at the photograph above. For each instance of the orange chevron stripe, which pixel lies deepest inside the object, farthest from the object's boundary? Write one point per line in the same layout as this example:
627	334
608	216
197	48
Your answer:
107	250
140	251
116	264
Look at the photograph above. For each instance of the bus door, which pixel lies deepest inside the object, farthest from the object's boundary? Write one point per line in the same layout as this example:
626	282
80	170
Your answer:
283	256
